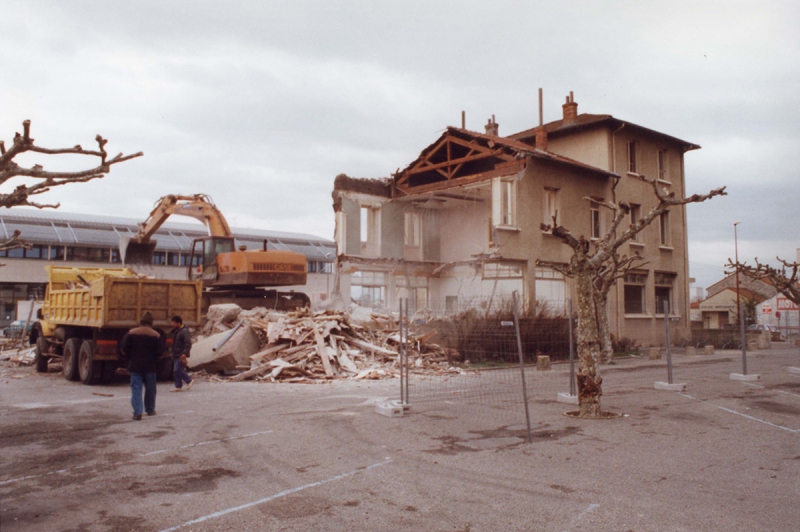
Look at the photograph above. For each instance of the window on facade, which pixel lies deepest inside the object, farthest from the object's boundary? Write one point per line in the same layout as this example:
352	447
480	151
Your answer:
16	253
115	256
318	266
632	157
413	234
173	258
663	292
508	215
664	228
87	254
550	207
38	251
550	288
594	218
369	224
662	165
159	258
502	270
56	252
504	202
368	289
634	292
636	214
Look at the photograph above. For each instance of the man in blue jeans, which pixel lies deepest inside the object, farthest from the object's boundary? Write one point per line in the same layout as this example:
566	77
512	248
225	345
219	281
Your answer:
142	347
181	346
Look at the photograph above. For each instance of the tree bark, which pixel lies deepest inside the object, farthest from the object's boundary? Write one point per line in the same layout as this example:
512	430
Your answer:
604	330
589	380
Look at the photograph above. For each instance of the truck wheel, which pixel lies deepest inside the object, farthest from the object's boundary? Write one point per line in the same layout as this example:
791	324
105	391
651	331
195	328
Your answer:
91	370
42	346
69	360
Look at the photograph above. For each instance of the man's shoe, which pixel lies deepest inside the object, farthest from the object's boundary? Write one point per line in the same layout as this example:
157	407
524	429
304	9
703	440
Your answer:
189	386
137	417
151	413
176	390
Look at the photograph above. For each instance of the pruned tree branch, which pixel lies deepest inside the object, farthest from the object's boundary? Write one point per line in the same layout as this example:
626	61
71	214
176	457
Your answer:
786	283
24	143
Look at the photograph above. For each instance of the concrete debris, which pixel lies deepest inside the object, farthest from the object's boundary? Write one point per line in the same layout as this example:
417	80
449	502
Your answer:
234	352
22	357
310	347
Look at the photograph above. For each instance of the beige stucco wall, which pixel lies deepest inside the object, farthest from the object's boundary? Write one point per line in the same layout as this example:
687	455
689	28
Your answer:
590	147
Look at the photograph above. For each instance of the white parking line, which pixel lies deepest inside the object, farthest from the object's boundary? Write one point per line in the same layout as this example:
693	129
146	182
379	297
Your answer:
787	429
208	442
276	496
60	471
583	514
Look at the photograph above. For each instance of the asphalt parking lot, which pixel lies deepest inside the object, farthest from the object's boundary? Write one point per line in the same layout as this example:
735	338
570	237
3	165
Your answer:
724	455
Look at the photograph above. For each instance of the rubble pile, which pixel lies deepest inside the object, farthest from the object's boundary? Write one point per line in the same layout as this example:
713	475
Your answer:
20	356
306	346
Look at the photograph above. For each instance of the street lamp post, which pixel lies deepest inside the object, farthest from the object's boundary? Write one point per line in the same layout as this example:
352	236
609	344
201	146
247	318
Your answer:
736	257
739	300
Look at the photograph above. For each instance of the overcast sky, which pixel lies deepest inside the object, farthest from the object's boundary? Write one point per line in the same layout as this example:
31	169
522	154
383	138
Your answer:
261	104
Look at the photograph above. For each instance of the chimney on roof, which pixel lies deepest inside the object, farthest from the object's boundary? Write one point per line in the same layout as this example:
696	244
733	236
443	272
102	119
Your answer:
492	128
541	139
570	110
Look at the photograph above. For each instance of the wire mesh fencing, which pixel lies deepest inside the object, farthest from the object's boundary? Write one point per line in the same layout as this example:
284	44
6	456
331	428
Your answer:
504	364
502	357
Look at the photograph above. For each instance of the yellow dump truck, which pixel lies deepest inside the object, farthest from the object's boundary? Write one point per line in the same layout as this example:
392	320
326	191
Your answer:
87	311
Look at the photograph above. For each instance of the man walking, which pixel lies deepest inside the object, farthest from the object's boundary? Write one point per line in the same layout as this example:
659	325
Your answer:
181	347
142	347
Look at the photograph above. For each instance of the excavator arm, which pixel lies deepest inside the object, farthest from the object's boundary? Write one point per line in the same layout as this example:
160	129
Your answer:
139	248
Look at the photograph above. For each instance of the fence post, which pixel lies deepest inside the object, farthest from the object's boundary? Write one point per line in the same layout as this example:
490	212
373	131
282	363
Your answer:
669	352
400	353
744	338
408	326
572	386
521	365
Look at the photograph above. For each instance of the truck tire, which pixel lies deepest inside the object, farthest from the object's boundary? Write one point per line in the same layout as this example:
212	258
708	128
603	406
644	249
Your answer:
90	370
69	360
164	371
42	346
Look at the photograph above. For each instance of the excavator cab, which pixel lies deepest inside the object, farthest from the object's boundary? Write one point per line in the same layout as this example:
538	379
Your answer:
203	261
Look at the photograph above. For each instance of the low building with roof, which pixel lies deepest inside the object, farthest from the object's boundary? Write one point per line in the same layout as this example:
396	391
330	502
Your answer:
85	240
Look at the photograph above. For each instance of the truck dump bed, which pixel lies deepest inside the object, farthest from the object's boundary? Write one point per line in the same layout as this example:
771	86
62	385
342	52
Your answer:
117	297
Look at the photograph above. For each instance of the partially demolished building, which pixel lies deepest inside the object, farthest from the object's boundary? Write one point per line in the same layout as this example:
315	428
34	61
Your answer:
461	223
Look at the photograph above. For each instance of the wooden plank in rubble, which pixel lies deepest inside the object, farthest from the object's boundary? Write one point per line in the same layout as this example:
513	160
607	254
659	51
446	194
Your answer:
268	351
322	352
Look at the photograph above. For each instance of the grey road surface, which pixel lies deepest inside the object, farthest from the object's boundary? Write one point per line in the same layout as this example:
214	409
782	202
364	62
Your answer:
724	455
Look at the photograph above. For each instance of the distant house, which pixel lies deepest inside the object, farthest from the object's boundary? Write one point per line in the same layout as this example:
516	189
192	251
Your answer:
460	224
718	311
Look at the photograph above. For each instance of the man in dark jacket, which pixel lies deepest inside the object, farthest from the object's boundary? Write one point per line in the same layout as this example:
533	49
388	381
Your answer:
142	347
181	346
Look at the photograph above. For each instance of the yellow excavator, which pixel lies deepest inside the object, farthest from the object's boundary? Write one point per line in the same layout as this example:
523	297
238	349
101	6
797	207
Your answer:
229	275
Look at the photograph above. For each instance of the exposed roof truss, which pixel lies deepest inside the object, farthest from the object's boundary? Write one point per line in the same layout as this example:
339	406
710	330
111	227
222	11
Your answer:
457	159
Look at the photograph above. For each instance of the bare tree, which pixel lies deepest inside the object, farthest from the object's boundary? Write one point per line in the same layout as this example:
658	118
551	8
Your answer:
596	270
43	180
784	279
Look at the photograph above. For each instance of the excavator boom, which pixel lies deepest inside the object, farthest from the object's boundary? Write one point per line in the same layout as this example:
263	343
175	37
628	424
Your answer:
138	250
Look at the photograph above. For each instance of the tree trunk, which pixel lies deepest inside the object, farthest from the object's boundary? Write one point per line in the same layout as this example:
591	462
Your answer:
601	308
588	380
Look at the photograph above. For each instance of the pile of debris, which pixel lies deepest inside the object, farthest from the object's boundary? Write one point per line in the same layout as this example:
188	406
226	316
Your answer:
21	356
306	346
